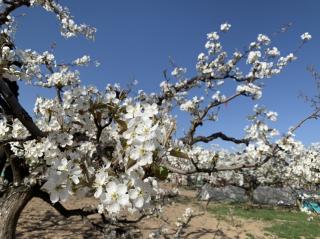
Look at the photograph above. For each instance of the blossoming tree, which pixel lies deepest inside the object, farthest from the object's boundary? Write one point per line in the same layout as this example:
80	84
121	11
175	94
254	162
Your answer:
114	146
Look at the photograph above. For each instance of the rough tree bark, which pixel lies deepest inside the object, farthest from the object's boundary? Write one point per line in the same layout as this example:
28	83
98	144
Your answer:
14	198
11	205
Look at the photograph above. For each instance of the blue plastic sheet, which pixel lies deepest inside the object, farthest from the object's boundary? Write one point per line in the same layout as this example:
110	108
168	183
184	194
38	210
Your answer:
311	206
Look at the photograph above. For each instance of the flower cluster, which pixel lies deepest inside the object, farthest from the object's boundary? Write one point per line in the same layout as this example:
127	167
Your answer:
251	90
68	27
191	105
141	133
225	27
306	36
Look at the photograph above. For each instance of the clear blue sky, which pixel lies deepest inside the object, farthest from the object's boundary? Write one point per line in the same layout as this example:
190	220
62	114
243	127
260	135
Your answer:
136	38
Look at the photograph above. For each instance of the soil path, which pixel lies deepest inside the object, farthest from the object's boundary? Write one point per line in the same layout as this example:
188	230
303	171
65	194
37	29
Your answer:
39	220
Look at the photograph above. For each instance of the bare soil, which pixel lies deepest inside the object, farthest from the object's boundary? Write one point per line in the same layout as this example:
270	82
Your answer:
40	220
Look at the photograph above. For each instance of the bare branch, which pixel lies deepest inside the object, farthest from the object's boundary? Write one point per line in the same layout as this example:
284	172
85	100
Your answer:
61	209
207	139
196	122
313	115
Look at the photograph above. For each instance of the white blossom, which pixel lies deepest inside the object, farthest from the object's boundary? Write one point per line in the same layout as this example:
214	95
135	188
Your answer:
306	36
253	56
84	60
225	27
115	197
263	39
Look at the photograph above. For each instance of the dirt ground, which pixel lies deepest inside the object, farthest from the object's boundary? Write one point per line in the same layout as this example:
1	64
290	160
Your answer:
39	220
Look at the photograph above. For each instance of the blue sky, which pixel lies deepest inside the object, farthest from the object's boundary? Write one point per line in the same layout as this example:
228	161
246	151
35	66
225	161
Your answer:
136	39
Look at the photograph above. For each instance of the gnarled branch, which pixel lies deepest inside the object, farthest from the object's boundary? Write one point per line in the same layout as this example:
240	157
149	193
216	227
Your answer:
61	209
207	139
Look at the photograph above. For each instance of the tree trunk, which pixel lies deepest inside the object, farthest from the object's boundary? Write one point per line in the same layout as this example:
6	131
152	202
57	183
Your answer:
251	196
11	205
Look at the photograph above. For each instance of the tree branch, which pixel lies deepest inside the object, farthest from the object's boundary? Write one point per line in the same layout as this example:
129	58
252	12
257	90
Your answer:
207	139
218	169
313	115
12	5
9	140
202	78
61	209
196	122
18	111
